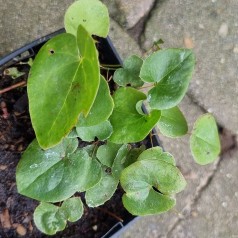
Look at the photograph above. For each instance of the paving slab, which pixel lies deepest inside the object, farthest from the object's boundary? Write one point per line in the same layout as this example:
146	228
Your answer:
211	28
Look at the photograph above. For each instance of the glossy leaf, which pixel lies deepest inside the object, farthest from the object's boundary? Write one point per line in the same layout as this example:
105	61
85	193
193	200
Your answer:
101	109
102	191
143	179
128	125
92	14
156	153
172	123
63	83
72	209
101	131
204	141
106	154
171	70
48	218
70	145
53	176
118	163
129	74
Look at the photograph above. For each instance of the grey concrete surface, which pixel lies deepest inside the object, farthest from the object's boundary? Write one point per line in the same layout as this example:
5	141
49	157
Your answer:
208	206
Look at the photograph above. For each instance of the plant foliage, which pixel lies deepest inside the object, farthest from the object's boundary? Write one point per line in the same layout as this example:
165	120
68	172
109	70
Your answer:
70	103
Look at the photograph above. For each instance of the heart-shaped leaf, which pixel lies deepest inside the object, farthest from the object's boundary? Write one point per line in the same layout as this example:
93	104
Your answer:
102	191
49	219
106	154
172	123
72	209
101	131
52	175
171	70
101	109
150	183
92	14
63	82
129	74
129	125
204	141
157	153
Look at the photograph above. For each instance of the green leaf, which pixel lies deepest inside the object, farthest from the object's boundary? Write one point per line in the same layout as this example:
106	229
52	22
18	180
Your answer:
171	70
156	153
72	209
128	125
204	141
102	191
106	154
52	175
48	218
172	123
129	74
149	185
101	109
101	131
118	164
92	14
70	145
73	133
63	82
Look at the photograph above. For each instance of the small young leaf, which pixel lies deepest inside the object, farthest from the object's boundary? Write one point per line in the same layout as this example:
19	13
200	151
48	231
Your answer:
139	180
63	83
157	153
70	145
204	141
106	154
171	70
72	209
118	164
172	123
101	131
92	14
49	219
102	191
101	109
72	134
128	125
129	74
53	176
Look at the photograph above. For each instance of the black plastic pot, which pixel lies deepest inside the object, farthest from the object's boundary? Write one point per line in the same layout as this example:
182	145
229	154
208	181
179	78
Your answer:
111	57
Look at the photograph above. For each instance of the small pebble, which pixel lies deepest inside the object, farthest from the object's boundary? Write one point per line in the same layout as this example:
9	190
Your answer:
229	176
224	204
235	50
223	30
201	26
21	230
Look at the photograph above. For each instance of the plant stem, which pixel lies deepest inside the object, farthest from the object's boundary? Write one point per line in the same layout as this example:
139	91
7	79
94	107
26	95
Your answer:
23	83
111	214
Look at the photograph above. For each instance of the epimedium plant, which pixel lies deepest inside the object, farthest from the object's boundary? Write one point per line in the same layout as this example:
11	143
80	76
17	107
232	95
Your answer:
70	102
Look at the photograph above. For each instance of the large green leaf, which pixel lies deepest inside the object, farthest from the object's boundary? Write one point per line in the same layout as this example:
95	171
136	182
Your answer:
52	175
101	109
102	191
63	82
171	70
92	14
101	131
106	154
172	123
129	125
150	184
50	218
204	141
129	74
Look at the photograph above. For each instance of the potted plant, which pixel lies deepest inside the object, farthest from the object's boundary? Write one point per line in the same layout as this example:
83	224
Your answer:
92	128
